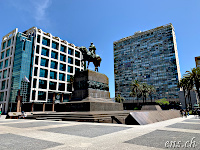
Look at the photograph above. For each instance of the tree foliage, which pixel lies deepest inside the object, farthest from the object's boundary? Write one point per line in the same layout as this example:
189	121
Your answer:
162	101
119	99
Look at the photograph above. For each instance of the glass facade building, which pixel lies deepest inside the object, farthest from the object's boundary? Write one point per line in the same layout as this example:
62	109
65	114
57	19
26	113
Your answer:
36	64
150	57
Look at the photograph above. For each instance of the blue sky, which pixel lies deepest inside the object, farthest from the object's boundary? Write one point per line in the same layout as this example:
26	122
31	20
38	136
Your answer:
105	21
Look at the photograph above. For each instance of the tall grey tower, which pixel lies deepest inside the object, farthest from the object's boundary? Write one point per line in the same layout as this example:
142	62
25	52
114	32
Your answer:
150	57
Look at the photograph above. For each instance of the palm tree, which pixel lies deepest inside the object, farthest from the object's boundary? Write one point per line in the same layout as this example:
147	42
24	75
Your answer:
144	91
189	87
152	90
136	90
119	99
195	75
182	84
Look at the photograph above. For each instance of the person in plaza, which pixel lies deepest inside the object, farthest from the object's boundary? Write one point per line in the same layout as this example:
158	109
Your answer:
188	112
23	115
198	112
0	113
181	112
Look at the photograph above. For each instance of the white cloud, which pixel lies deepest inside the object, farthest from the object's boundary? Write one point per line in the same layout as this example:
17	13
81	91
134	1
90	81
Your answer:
40	9
37	9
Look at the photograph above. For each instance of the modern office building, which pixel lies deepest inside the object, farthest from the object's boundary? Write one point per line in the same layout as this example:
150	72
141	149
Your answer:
38	66
150	57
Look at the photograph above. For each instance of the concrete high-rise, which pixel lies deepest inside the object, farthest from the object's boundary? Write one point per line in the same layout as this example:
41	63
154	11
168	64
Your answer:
38	65
150	57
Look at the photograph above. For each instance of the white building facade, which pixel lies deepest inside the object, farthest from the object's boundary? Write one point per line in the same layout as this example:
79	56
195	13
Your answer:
37	65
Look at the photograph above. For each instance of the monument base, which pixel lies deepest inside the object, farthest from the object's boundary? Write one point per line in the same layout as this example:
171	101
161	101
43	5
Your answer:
91	93
93	106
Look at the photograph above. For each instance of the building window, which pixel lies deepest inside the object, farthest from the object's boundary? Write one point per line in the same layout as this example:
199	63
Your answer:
35	71
63	48
52	85
34	83
68	78
70	51
43	84
77	62
69	87
54	45
46	41
70	60
43	73
62	76
38	38
4	73
36	60
54	55
38	49
1	65
41	95
9	42
70	69
62	57
1	96
4	45
77	69
45	52
3	85
7	52
2	55
53	75
62	67
6	63
54	64
33	95
77	54
61	87
44	62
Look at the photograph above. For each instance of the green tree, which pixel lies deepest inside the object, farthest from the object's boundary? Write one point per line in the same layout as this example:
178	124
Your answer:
162	101
183	84
136	90
195	75
152	90
189	87
119	99
144	88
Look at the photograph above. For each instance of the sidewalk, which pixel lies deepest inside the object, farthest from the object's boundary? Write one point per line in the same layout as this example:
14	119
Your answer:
62	135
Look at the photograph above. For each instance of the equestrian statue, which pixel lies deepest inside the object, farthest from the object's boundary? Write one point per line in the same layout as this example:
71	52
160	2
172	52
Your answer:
90	56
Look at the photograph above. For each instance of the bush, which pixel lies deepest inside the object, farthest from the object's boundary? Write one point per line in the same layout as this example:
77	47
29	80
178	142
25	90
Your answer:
162	101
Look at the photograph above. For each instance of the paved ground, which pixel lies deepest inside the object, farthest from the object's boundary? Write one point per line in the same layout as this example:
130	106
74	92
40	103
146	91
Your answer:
177	133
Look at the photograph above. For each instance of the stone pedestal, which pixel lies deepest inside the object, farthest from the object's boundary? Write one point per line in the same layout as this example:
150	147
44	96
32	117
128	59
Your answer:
91	90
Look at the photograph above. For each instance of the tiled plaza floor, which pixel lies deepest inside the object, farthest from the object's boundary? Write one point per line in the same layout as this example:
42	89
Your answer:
178	133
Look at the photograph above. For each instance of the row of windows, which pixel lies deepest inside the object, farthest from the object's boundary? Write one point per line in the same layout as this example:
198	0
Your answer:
54	64
53	74
54	55
55	45
5	53
52	85
6	64
4	85
8	44
42	95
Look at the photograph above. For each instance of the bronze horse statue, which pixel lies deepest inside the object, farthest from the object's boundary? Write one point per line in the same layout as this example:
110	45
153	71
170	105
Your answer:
90	57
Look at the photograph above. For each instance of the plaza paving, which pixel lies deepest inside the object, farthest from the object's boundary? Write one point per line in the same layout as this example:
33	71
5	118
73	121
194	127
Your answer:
66	135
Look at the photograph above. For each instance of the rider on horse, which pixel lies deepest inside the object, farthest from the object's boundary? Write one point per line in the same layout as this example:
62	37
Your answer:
92	50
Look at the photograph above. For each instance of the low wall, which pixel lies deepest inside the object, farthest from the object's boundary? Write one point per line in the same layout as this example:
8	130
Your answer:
147	117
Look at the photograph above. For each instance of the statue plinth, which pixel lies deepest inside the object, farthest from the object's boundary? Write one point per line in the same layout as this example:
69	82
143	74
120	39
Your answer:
91	89
90	85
